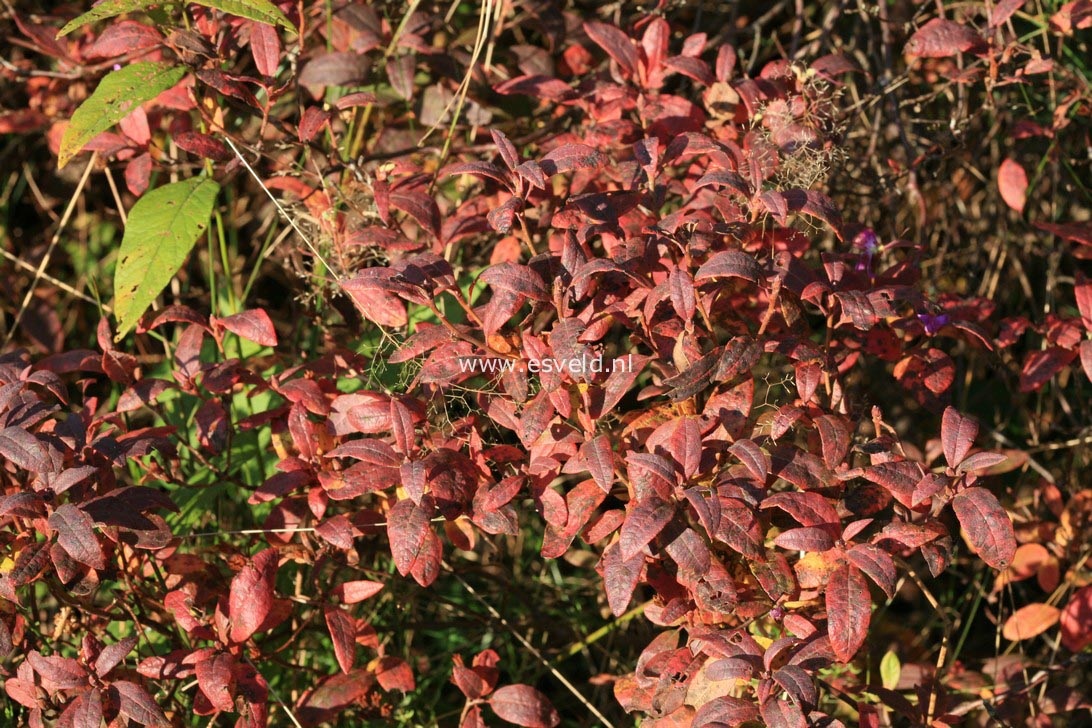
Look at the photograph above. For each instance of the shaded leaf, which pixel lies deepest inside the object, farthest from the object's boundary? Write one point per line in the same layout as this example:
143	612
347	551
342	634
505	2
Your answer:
987	525
525	706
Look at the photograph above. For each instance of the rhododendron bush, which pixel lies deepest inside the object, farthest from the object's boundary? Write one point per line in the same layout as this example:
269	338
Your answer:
286	429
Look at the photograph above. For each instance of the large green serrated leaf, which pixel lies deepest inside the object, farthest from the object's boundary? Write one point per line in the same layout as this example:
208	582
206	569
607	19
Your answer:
262	11
106	9
117	94
163	226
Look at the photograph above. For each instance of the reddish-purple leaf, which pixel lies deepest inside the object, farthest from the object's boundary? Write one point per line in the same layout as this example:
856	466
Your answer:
849	609
516	278
138	174
121	37
1012	181
135	703
957	435
394	673
507	150
987	525
645	520
981	461
616	43
83	712
729	263
216	678
1082	292
421	207
1041	366
620	577
62	673
352	592
753	458
940	38
343	634
877	564
568	157
726	710
251	595
524	706
312	122
777	713
254	325
265	46
408	526
112	655
809	538
76	535
599	457
808	508
1076	620
201	145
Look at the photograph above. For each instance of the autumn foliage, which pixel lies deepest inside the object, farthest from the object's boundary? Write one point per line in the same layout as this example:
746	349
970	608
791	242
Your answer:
831	477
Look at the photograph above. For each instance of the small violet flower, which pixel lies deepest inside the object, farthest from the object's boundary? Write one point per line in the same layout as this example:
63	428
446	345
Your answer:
867	242
933	323
117	66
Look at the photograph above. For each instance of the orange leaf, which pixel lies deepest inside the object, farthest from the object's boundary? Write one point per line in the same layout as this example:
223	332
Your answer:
1029	621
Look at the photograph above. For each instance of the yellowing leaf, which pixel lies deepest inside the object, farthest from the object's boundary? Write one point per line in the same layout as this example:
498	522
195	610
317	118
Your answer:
262	11
106	9
117	94
163	226
890	670
1030	620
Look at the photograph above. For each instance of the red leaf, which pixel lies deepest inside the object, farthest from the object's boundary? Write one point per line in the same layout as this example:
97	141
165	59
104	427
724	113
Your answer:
83	712
251	595
136	704
76	535
1086	357
312	121
420	207
516	278
726	710
988	528
352	592
645	520
265	46
599	457
568	157
620	578
1082	291
408	528
62	673
216	678
202	145
343	633
729	263
525	706
809	538
138	172
981	461
112	655
849	610
753	458
957	435
254	325
394	673
779	713
1012	180
616	43
1076	620
877	564
121	37
1041	366
809	509
940	38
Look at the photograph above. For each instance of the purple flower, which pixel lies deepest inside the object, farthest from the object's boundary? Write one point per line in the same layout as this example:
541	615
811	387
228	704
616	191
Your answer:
866	240
933	323
117	66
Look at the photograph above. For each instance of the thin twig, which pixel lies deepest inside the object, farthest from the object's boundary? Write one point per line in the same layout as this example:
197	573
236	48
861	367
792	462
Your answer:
52	244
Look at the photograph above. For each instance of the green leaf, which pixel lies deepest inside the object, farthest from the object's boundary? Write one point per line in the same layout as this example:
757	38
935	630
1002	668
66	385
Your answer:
262	11
106	9
890	670
162	229
117	94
